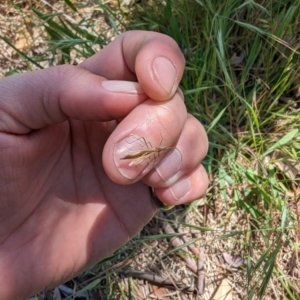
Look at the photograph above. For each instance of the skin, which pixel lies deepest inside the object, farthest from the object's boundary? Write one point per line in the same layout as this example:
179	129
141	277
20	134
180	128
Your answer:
65	202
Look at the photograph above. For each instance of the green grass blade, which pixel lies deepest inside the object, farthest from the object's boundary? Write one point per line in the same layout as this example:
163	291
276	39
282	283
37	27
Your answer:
283	141
71	5
21	53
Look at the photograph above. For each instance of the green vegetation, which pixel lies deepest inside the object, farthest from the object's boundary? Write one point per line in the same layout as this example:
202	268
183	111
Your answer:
242	82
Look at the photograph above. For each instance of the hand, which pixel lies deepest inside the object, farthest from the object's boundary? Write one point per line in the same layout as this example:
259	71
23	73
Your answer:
67	197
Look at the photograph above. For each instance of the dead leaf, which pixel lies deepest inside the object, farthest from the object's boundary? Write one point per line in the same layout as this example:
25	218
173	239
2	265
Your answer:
233	261
224	291
237	59
289	167
56	294
159	292
23	40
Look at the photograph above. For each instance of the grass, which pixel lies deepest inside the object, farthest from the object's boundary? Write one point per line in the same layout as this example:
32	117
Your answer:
242	82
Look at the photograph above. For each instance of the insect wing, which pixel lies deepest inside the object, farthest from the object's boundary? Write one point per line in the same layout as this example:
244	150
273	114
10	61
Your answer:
135	154
138	156
138	160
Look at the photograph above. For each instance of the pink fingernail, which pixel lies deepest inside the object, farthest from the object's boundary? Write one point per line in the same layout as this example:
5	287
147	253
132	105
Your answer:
118	86
165	73
181	188
170	165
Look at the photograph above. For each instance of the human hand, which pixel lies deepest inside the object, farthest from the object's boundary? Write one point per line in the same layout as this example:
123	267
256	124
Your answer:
67	198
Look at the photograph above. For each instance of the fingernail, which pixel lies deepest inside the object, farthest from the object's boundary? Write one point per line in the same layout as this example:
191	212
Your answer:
170	165
180	188
126	158
164	73
118	86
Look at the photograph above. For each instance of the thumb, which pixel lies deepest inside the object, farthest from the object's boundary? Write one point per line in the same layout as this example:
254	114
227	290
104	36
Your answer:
37	99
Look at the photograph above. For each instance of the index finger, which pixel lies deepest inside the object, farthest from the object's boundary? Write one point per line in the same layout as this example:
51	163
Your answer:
152	59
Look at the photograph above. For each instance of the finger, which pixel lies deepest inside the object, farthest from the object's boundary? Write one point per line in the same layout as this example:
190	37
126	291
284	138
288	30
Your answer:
37	99
154	59
190	187
142	138
185	156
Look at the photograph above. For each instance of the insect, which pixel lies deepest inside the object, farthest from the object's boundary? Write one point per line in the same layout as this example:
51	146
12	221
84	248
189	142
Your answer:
138	156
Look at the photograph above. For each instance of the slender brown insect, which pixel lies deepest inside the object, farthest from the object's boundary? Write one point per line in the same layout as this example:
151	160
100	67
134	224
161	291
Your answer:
139	156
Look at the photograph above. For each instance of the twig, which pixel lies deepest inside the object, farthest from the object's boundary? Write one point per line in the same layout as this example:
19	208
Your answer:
177	242
113	267
194	249
205	211
201	272
200	266
158	280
